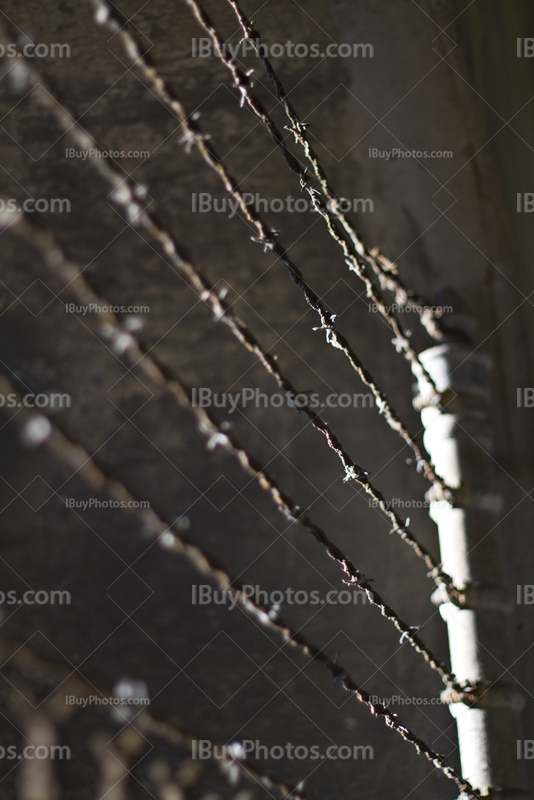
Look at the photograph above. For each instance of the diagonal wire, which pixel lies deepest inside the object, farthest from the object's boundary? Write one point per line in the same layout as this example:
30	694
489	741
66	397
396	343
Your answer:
123	194
38	430
160	375
357	257
221	437
385	270
30	661
105	15
352	247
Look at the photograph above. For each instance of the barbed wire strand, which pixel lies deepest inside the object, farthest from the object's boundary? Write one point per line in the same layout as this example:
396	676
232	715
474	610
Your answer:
386	271
72	681
180	545
123	195
38	429
160	375
354	260
108	17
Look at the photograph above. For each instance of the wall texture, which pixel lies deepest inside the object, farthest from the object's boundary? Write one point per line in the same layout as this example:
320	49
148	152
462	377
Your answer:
440	79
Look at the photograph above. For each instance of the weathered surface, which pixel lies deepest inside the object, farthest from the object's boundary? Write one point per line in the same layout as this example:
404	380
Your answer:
446	221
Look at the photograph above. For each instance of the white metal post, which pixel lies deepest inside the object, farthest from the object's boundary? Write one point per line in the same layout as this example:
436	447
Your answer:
458	437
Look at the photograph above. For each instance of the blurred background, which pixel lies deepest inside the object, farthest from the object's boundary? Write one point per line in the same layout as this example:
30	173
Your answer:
440	76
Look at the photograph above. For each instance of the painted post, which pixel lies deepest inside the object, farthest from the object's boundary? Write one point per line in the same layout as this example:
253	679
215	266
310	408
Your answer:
458	437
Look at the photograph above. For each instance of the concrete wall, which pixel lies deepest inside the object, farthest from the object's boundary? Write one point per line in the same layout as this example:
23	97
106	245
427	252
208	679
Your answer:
448	223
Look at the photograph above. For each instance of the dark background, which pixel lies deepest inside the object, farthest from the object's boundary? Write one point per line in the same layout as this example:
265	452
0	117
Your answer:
444	76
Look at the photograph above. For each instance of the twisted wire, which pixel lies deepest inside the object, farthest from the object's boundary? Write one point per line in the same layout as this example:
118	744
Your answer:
384	269
73	454
108	17
38	429
160	375
356	261
123	195
28	660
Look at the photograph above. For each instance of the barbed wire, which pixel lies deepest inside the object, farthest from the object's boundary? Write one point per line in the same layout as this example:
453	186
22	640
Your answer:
107	16
39	430
123	194
160	375
385	270
73	682
356	261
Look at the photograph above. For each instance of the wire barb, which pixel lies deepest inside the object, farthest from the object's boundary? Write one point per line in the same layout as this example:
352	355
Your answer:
148	363
119	26
123	189
147	723
355	259
172	539
386	272
70	452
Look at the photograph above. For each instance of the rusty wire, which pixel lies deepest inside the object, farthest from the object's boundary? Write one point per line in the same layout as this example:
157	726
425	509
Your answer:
123	195
107	16
38	429
386	271
71	681
72	454
355	257
160	375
